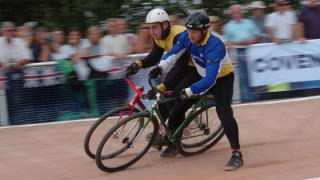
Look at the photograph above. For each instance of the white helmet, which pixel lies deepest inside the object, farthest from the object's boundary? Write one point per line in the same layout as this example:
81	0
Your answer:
157	16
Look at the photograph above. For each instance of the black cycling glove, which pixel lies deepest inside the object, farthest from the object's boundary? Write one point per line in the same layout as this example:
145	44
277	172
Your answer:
155	73
132	69
182	96
152	94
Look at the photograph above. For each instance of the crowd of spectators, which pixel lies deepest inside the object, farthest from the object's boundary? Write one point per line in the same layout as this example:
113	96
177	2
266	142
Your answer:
31	43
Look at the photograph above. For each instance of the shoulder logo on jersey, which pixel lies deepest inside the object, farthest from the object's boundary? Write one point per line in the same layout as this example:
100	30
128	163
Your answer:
213	60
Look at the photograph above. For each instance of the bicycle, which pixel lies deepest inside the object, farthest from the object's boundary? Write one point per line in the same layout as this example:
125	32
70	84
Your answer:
97	130
122	146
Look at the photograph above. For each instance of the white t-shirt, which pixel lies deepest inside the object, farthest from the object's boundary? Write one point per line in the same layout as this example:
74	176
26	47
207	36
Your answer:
14	52
67	50
115	44
282	24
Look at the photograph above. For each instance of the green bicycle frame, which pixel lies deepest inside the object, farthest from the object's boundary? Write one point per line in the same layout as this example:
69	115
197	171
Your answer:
173	137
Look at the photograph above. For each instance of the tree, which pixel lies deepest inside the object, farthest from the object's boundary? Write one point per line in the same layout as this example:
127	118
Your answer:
83	13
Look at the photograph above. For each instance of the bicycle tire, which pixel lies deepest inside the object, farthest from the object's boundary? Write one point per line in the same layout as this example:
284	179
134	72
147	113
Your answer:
122	157
188	146
91	134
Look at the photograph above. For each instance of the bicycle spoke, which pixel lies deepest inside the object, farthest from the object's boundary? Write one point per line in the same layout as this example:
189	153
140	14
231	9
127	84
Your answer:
118	153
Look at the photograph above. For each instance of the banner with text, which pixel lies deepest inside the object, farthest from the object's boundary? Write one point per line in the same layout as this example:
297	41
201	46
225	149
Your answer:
283	67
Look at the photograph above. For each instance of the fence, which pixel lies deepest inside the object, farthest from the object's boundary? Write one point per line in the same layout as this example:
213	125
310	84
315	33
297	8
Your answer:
41	92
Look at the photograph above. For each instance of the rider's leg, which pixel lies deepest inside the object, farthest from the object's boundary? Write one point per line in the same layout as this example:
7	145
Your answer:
177	112
223	91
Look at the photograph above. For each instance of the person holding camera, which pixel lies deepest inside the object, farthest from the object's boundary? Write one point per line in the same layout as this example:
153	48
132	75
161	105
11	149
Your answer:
41	47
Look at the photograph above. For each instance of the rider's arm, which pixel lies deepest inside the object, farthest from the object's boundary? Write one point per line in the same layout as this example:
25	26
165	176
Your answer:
152	58
174	54
211	71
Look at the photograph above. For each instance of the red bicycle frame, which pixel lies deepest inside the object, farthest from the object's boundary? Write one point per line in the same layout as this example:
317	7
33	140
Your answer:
136	100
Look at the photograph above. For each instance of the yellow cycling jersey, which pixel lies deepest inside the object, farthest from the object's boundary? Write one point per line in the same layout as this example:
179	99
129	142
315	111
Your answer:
167	43
225	70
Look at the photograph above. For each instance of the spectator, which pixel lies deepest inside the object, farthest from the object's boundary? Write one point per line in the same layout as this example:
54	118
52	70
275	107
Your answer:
144	40
41	47
215	27
117	45
76	47
281	24
57	44
181	22
132	38
258	17
14	52
114	43
240	31
26	33
309	24
174	19
75	50
94	35
99	64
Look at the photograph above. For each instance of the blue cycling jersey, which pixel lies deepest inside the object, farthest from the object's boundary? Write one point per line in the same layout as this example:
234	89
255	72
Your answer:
210	58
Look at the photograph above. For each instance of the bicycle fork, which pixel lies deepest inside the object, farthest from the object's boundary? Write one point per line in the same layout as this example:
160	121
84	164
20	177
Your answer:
125	140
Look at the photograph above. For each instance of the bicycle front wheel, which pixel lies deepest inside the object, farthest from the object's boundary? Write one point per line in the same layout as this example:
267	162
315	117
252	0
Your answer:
101	127
202	131
125	143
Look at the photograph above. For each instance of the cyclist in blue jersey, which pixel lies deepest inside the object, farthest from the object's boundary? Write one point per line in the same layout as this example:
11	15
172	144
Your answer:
214	76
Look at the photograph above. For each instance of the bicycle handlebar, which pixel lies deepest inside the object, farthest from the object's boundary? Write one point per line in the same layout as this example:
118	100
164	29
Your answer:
162	97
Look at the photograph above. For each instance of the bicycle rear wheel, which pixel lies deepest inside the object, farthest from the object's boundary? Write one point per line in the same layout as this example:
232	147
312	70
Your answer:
101	127
202	131
125	143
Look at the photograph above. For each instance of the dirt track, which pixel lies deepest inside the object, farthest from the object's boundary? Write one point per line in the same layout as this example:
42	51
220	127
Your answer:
278	141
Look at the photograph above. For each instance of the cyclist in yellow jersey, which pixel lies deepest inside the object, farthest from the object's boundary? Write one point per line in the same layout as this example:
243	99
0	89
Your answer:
164	37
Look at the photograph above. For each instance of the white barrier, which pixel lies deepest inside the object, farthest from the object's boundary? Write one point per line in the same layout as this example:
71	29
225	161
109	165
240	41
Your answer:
4	120
44	74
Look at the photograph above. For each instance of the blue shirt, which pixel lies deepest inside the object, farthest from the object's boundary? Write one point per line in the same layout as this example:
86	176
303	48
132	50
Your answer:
235	31
210	58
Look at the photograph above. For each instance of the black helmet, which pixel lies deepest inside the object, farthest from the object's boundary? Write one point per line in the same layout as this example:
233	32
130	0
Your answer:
198	20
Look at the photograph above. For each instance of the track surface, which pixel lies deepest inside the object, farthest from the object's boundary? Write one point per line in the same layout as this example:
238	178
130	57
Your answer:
278	141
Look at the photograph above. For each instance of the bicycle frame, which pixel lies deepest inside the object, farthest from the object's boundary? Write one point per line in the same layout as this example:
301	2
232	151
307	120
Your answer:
138	96
173	137
136	99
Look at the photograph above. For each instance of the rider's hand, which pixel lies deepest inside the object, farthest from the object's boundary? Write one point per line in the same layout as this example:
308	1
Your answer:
155	73
182	96
132	69
152	94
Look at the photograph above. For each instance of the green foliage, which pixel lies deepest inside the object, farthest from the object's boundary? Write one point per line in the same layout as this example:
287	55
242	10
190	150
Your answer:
83	13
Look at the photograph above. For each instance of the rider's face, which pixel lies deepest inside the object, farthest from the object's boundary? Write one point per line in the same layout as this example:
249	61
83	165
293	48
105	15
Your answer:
156	30
195	35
